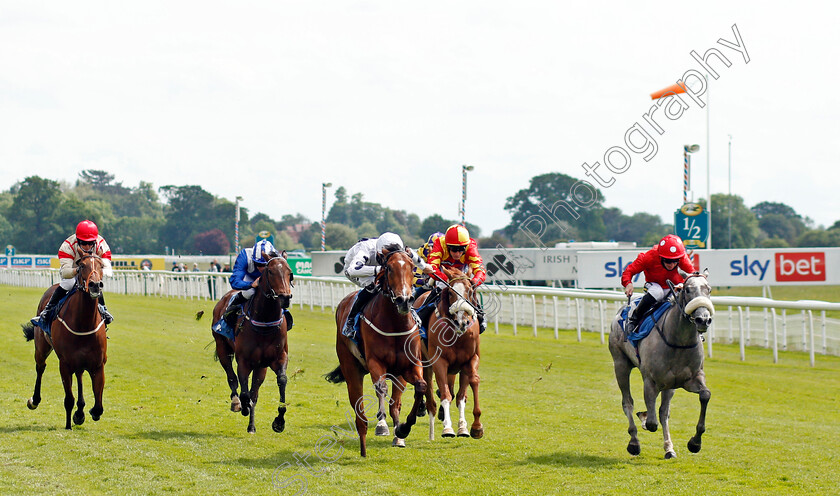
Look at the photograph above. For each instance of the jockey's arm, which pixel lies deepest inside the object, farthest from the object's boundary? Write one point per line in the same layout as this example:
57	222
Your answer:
357	267
240	270
107	270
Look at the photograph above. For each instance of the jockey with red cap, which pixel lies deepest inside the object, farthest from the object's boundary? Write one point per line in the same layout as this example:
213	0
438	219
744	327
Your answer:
456	249
86	241
660	265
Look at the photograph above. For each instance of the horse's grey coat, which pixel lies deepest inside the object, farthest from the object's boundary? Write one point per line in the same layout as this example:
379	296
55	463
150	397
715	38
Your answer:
666	364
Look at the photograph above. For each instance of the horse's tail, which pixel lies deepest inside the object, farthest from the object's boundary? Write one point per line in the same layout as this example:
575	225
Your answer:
335	376
28	331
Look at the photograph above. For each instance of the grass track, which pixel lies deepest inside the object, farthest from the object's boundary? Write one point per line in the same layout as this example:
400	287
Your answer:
771	428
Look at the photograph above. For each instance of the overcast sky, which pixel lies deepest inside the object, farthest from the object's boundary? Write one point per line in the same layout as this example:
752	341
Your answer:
267	100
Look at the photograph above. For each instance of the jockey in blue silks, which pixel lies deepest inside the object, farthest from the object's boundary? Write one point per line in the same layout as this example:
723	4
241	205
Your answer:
247	269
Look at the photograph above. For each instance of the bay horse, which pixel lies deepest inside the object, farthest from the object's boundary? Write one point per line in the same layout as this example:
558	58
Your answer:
260	340
78	335
452	348
670	358
390	349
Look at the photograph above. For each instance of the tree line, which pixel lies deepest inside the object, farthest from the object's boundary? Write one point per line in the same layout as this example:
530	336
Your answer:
36	214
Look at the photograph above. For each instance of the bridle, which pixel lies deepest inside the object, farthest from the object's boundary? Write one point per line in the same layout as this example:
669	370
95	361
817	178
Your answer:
270	293
84	284
684	306
385	287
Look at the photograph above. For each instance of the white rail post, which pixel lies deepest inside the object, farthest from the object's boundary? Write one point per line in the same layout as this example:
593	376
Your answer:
731	337
578	317
775	338
534	307
601	315
811	334
741	334
784	329
556	333
804	332
822	319
513	298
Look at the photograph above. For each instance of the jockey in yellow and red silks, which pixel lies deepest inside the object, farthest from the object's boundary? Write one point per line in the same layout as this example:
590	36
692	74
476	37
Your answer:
456	249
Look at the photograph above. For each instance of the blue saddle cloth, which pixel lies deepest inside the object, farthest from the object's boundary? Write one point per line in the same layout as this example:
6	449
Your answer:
46	322
647	324
222	327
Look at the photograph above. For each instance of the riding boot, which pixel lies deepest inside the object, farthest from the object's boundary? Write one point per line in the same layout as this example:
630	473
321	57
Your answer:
428	307
56	297
641	309
233	308
106	315
362	299
482	322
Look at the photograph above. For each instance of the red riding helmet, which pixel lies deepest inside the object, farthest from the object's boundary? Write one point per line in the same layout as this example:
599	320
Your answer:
87	231
457	235
671	247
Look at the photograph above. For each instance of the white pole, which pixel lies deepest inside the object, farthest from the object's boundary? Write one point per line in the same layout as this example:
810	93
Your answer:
708	173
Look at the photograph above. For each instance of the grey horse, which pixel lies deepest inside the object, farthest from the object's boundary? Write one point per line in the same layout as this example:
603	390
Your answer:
670	357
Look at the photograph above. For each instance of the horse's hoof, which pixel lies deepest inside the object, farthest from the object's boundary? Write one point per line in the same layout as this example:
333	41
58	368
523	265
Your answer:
279	424
462	429
421	409
669	455
79	417
634	449
252	429
477	433
31	404
448	432
693	446
245	411
235	404
382	428
398	443
95	415
440	413
651	426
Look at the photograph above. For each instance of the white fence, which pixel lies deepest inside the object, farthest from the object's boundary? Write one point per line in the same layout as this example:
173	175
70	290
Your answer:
772	324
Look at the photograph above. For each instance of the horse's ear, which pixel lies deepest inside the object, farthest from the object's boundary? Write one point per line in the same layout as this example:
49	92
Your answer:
671	285
283	254
706	272
380	260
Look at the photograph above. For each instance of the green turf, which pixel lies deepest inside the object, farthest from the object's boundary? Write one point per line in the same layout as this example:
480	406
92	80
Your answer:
552	417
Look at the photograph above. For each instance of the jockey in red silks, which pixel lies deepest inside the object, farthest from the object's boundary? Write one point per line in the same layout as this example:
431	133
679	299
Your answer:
660	265
85	241
456	249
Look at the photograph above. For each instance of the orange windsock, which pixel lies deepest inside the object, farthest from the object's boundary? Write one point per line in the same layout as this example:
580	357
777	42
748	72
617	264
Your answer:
674	88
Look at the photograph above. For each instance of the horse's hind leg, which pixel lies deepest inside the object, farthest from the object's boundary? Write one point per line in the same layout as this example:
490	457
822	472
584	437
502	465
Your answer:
476	430
79	416
415	377
225	354
280	421
698	385
664	415
651	392
622	375
431	407
97	379
67	382
42	351
243	373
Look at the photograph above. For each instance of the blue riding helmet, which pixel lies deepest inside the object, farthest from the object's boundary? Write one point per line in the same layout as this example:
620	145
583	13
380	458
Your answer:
263	246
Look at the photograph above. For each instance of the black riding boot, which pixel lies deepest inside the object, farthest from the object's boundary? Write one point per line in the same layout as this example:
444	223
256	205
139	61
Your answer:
428	307
106	315
482	322
641	309
362	299
56	297
232	311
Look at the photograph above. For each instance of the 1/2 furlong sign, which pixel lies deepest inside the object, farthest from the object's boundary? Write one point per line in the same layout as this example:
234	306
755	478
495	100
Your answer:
757	267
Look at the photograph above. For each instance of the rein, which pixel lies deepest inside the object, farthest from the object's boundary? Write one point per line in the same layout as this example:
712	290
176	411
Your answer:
378	330
385	289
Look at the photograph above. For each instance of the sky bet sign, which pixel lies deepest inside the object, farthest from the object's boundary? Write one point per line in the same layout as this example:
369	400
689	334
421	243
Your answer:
767	267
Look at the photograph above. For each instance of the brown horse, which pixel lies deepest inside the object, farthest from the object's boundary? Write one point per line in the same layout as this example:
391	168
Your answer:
260	340
79	340
390	348
452	348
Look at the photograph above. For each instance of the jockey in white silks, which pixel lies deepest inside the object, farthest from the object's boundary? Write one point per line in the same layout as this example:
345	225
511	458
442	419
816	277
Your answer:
361	266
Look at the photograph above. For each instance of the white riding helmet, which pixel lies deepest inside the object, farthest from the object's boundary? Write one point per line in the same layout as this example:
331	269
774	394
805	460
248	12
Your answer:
263	246
387	239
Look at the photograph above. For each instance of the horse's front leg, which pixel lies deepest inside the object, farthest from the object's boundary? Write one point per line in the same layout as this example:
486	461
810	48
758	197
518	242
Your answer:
395	403
415	376
243	372
256	382
623	367
280	421
461	402
79	416
97	380
381	388
698	385
648	417
431	407
442	380
67	382
664	416
225	353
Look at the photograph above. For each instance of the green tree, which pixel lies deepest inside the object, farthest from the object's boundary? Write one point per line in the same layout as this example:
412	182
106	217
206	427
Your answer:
548	208
339	236
819	238
32	216
285	242
641	228
744	232
777	220
136	235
